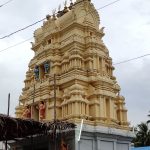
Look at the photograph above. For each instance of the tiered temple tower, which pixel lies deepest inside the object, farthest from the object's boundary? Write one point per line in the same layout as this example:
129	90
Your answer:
70	45
72	67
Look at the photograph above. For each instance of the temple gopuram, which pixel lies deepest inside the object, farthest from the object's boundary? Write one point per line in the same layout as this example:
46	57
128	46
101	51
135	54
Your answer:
72	67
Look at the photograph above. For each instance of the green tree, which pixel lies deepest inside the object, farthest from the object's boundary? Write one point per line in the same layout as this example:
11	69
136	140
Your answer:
142	135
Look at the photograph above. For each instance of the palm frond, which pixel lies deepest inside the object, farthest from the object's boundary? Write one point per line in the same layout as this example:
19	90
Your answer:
11	128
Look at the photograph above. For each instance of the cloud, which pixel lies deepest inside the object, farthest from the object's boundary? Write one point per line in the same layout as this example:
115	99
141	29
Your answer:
127	35
13	65
142	7
134	80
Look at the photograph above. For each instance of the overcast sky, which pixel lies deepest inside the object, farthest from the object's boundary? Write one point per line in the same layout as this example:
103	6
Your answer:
127	35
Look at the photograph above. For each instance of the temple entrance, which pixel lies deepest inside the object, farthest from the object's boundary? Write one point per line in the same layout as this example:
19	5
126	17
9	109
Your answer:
45	143
35	113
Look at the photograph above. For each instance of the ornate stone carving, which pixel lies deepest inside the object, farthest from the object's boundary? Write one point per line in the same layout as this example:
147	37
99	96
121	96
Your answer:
71	47
36	72
27	113
46	67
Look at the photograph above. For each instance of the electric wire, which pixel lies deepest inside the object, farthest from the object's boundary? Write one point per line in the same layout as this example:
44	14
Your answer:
111	3
125	61
15	45
128	60
22	29
46	31
5	3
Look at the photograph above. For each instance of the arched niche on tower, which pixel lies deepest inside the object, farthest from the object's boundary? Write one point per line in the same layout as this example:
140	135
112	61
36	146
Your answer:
42	70
87	14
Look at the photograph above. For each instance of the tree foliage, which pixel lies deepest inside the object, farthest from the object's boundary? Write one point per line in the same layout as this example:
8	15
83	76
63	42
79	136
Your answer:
142	135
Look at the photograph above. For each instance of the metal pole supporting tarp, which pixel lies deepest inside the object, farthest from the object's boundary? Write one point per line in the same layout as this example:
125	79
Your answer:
8	109
55	144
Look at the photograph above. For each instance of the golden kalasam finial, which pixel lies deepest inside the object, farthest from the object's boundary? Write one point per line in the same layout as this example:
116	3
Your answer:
71	4
59	13
54	13
59	8
48	17
65	7
65	3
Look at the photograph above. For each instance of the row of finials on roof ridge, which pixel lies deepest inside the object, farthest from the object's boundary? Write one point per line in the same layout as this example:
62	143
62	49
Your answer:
60	12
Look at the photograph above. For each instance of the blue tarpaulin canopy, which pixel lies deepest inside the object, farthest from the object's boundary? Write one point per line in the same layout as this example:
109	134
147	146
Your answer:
141	148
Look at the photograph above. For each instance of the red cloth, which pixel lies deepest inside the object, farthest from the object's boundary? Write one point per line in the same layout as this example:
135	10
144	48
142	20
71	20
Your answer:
42	111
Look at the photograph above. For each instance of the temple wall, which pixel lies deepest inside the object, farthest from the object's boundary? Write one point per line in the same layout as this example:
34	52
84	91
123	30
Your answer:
102	138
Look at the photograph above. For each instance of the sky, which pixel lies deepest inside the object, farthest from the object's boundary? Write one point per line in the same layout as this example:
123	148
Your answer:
127	35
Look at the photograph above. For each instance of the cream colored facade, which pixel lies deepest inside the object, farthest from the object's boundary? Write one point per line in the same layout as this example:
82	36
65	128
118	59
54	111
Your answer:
71	44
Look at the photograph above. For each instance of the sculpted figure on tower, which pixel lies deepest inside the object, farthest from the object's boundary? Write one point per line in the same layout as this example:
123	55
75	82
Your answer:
41	110
27	113
36	72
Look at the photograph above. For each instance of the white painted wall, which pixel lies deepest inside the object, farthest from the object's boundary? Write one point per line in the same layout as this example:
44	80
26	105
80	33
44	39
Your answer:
1	146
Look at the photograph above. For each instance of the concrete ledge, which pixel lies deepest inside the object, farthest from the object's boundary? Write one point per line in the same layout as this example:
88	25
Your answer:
102	138
106	130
